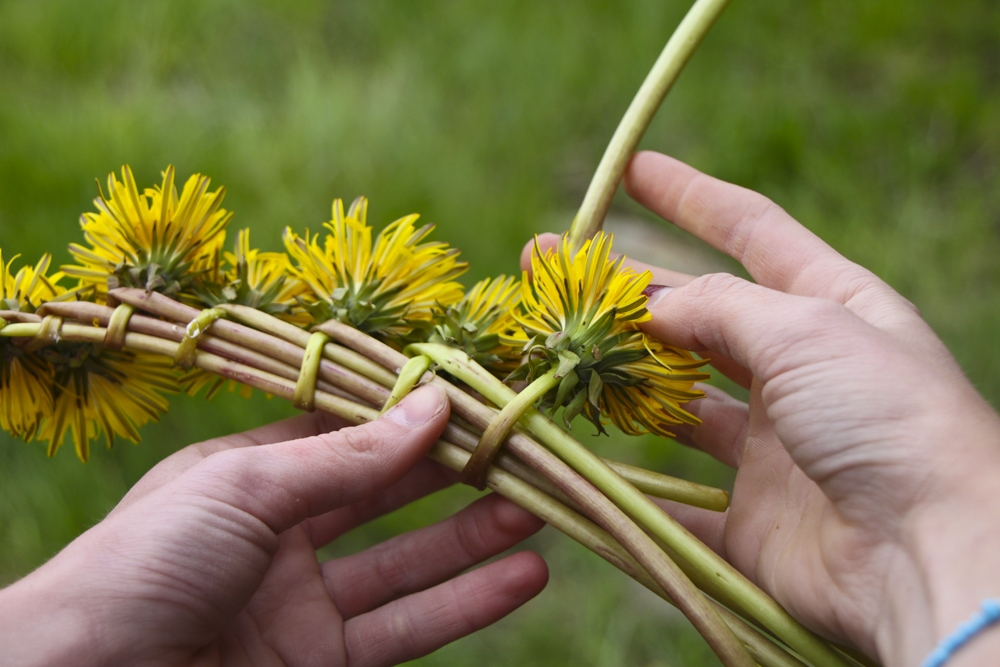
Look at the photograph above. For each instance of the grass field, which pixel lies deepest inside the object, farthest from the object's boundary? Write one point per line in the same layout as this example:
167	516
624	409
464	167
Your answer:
877	124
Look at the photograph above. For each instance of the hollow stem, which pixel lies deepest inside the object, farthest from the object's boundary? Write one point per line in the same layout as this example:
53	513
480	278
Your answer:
672	488
667	68
305	388
474	473
115	338
409	376
198	326
591	536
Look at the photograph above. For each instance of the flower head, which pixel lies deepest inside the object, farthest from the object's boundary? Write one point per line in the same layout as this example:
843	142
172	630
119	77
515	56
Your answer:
579	314
157	240
249	277
72	387
96	391
389	286
482	324
24	378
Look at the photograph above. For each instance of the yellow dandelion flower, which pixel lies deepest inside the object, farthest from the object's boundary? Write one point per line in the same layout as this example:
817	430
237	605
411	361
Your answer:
261	280
157	240
24	379
482	324
579	314
585	297
69	387
387	286
101	392
665	377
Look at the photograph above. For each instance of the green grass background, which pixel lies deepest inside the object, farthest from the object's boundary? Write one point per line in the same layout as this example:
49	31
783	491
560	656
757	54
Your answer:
877	124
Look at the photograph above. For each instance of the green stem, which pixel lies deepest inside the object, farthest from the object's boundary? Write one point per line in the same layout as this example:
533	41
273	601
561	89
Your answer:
672	488
633	125
305	387
115	338
409	376
198	326
738	588
474	474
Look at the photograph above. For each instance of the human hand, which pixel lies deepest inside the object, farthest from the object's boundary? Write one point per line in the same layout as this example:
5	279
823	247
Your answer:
864	500
211	558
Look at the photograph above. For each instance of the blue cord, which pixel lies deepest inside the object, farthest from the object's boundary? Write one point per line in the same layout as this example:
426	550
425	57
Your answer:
988	614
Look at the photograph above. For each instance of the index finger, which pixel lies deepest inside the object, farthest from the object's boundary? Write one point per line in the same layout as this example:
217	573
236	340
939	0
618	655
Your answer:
777	251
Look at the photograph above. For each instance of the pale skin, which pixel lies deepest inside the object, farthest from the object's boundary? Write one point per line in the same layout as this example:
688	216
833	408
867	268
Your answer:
867	464
211	558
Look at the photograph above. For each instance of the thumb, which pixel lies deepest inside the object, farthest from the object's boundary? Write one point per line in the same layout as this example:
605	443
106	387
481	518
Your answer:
284	483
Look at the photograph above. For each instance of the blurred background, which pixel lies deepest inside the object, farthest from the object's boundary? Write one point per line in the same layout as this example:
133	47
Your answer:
876	123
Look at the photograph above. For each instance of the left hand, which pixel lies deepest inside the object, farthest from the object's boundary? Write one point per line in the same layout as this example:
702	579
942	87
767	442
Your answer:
211	558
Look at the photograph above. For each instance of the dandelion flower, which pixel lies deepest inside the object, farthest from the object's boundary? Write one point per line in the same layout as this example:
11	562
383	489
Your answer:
72	387
388	286
482	324
579	313
157	240
249	277
24	379
101	392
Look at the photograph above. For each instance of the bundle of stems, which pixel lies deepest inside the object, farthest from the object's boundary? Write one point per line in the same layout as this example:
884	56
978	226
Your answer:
601	504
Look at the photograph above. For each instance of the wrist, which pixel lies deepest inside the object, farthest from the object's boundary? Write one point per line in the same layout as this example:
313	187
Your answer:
951	549
41	624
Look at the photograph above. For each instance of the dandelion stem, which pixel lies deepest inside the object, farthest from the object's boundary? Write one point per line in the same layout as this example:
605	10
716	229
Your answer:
666	69
409	376
305	386
474	474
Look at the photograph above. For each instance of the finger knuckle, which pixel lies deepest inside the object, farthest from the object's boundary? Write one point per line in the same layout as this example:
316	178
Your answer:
392	566
715	285
757	208
470	535
354	440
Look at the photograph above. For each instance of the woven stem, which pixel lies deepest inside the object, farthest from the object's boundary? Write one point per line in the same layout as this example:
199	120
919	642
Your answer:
763	649
409	376
474	473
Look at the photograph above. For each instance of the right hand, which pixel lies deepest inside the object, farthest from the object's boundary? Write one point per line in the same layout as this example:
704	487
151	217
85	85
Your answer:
868	466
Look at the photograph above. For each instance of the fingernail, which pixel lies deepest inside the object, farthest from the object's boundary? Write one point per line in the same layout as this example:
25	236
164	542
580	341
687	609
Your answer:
654	293
417	408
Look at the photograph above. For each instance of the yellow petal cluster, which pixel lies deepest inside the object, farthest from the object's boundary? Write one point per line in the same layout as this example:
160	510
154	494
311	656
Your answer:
482	324
573	293
100	392
156	239
580	312
24	380
388	285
